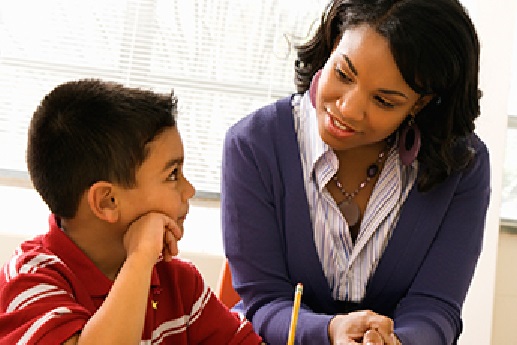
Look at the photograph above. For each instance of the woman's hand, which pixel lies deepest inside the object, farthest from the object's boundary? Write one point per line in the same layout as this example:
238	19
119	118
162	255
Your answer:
362	327
373	337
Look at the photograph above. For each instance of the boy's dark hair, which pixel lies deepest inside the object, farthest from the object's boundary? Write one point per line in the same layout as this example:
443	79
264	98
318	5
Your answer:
91	130
436	48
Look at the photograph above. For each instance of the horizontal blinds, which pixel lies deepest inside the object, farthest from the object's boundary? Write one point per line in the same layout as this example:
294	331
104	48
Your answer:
224	58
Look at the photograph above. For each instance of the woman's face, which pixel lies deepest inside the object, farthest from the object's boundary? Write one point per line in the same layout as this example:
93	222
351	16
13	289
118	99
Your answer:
361	96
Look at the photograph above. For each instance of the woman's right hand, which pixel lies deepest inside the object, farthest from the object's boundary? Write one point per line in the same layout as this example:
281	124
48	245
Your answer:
351	328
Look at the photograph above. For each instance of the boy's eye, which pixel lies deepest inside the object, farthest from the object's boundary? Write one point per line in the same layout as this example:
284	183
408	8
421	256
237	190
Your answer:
173	176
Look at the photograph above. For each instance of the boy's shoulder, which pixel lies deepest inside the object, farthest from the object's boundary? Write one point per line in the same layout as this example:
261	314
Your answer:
28	257
33	266
35	283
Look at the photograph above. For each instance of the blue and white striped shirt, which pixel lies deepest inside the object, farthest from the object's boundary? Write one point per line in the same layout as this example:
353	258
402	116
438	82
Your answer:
347	267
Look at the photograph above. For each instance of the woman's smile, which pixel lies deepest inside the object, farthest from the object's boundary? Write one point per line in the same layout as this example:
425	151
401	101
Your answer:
336	128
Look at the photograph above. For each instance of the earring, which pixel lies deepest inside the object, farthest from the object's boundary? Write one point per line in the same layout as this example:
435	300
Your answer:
409	142
314	87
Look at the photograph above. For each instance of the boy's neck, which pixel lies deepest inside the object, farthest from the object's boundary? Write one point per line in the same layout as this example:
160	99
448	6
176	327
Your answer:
99	240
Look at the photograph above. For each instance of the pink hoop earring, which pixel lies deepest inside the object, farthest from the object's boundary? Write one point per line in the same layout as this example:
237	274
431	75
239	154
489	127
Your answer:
314	87
409	142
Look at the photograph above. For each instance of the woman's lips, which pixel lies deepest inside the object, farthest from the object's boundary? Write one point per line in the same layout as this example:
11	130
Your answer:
337	128
340	125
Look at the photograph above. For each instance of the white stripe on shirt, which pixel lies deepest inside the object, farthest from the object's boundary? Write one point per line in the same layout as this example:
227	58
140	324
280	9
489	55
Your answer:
181	323
32	295
54	313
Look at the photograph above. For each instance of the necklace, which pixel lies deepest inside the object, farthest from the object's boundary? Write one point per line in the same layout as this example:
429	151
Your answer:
348	207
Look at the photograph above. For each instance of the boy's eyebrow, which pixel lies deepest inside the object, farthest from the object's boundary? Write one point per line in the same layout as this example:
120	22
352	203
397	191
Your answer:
172	162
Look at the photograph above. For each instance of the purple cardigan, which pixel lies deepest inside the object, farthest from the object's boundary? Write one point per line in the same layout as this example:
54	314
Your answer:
421	280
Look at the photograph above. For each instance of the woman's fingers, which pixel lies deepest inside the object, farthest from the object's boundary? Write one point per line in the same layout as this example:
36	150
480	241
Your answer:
372	337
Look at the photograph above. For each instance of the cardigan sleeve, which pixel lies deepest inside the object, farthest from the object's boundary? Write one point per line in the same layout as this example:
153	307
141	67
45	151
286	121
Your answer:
253	236
430	313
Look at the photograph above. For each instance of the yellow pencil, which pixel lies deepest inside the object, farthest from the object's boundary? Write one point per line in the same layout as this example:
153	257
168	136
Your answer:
294	316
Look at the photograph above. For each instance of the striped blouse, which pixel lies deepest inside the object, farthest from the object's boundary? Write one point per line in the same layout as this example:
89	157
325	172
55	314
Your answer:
347	267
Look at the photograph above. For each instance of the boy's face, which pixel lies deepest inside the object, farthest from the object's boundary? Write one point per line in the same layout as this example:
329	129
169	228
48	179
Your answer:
160	184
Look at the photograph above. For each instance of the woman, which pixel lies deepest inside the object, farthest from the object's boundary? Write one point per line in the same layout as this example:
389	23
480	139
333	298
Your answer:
368	186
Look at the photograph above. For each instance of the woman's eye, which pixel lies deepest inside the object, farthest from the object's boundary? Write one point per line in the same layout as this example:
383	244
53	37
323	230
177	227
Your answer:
384	102
343	76
173	176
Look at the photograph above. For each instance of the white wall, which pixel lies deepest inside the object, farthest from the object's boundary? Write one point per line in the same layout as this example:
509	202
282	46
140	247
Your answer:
495	21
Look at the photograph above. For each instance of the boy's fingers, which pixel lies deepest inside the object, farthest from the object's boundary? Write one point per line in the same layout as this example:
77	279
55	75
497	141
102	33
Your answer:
174	228
170	246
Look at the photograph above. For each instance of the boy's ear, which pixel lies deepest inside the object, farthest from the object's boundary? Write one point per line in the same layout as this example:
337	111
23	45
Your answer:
103	201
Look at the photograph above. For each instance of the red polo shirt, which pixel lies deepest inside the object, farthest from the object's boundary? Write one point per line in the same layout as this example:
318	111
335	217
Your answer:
50	288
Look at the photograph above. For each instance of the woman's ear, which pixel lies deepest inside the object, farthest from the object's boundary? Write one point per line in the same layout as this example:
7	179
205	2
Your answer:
103	201
421	103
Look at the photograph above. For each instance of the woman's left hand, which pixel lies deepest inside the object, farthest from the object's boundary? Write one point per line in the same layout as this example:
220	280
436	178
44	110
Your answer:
373	337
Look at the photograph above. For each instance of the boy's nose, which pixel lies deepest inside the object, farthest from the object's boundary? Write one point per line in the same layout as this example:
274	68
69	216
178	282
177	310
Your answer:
189	191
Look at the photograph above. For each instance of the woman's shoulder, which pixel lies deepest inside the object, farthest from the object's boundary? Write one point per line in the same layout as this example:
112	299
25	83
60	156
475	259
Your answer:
477	172
478	144
272	116
481	156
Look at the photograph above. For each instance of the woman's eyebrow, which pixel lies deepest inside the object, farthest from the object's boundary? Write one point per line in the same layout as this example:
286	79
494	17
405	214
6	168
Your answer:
393	92
350	64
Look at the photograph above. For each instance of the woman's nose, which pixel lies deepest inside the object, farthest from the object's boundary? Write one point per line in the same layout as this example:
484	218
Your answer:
352	105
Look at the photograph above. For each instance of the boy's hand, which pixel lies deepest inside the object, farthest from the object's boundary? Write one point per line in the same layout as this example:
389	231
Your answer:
151	235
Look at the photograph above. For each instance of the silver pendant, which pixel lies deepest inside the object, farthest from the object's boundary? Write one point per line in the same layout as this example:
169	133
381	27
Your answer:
350	211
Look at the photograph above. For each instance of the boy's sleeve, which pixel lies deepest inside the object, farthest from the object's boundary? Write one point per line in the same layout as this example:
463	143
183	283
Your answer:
36	304
211	322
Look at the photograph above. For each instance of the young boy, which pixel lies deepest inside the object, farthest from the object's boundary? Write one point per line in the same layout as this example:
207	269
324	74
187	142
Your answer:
108	161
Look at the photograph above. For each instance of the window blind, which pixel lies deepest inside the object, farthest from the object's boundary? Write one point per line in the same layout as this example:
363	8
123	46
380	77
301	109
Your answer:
224	58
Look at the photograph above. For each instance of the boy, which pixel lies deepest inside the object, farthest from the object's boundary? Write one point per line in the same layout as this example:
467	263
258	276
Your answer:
108	160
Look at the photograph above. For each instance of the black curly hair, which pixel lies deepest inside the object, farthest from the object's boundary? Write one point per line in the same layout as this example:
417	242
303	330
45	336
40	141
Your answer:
436	49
